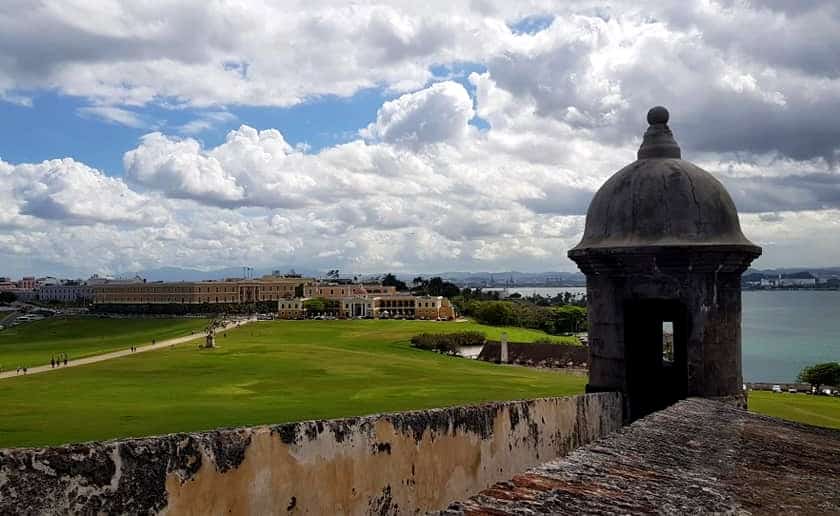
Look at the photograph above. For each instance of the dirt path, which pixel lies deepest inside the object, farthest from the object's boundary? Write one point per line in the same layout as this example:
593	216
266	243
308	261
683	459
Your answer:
121	353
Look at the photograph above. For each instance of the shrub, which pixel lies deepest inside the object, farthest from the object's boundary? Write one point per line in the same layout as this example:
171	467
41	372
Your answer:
495	313
550	319
448	343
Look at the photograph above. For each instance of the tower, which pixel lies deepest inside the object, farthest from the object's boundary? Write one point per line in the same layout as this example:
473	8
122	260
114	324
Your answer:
663	248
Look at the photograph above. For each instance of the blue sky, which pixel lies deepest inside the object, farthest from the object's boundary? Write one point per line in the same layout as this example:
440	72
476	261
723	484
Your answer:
390	136
53	125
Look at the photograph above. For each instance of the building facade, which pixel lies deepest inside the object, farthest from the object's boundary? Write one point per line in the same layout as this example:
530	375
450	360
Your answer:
433	308
789	281
211	292
334	290
393	306
65	293
291	309
345	300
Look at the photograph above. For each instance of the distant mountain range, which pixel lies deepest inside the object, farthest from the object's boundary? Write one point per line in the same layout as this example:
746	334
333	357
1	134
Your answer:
462	278
182	274
459	277
500	279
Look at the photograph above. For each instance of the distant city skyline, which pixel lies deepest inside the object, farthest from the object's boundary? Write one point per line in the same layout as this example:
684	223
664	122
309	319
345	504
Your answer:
390	137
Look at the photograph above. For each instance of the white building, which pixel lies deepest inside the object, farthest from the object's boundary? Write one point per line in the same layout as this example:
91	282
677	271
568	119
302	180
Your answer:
782	281
798	282
65	293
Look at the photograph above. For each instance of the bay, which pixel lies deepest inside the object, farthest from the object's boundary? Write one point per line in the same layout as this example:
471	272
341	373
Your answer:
782	330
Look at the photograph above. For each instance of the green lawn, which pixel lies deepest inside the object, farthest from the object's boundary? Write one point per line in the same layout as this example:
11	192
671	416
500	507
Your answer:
268	372
32	344
515	334
803	408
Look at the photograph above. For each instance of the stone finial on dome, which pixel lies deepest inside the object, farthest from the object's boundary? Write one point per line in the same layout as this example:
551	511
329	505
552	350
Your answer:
659	141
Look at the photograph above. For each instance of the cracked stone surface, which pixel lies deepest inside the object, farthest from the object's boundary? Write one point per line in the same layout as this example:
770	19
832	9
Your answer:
388	464
699	456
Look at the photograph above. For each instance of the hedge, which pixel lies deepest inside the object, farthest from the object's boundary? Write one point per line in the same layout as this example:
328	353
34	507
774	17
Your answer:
449	343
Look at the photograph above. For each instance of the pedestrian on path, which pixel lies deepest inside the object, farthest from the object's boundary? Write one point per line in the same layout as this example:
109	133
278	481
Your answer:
52	362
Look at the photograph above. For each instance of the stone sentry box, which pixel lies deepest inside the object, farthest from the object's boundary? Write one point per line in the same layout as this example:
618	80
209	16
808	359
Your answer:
663	244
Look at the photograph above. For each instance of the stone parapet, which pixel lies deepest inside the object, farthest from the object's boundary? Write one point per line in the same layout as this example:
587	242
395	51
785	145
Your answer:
401	463
699	456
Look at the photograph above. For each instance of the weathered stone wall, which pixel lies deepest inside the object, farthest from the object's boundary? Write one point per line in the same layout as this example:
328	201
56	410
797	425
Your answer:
538	354
698	456
402	463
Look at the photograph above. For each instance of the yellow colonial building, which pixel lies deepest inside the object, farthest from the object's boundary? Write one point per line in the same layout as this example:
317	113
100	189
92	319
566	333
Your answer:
347	300
396	305
291	309
342	290
269	288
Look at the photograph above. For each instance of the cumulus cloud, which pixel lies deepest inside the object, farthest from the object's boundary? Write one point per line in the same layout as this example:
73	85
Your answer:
178	168
753	89
439	113
255	53
70	192
737	77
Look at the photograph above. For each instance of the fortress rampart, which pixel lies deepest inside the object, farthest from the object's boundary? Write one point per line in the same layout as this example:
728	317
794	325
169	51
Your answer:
401	463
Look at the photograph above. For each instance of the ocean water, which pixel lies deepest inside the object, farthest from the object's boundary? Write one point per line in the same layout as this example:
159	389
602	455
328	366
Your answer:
782	330
786	330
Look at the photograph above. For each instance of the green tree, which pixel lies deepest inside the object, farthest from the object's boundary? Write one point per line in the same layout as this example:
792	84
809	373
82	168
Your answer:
438	287
821	374
569	318
316	304
496	313
7	297
389	280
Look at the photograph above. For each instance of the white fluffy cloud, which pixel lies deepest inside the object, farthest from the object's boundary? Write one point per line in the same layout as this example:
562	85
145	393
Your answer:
438	113
66	191
256	53
753	89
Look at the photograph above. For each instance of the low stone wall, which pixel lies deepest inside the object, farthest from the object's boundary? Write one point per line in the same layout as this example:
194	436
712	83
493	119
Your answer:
403	463
537	354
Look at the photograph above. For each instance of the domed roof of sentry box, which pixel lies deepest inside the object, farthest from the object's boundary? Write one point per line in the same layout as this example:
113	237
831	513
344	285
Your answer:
660	200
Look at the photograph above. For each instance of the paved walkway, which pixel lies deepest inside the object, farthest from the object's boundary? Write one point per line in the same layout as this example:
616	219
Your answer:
121	353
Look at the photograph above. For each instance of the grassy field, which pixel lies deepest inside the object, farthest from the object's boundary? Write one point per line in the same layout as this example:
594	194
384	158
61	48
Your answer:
32	344
267	372
803	408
